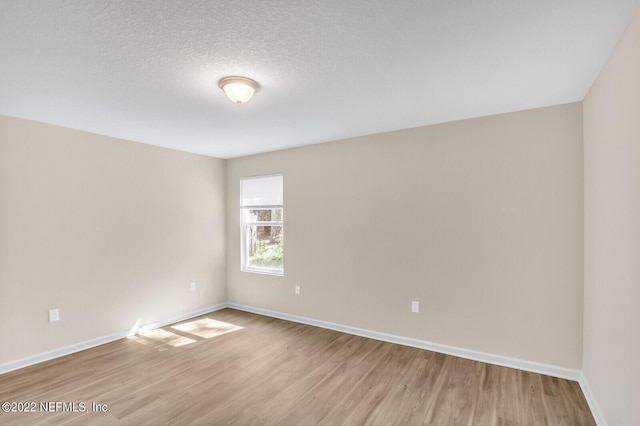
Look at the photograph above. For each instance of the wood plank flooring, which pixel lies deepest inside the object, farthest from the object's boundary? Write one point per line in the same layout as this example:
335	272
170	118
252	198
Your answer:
236	368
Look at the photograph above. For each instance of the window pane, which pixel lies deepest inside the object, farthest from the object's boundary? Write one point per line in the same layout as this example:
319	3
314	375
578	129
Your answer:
265	215
265	246
261	219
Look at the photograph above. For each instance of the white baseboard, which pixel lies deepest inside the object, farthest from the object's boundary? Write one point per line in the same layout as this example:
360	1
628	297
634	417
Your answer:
593	404
504	361
535	367
87	344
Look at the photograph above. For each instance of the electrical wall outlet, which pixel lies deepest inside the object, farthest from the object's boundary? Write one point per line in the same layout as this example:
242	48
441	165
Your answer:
54	315
415	306
193	286
297	289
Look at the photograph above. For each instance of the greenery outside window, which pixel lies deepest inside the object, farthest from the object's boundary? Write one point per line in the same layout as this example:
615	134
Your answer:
262	225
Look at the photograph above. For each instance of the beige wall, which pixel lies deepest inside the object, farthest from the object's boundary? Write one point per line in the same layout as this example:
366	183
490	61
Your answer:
612	233
480	220
108	231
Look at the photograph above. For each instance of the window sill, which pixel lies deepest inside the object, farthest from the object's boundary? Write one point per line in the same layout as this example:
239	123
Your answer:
264	271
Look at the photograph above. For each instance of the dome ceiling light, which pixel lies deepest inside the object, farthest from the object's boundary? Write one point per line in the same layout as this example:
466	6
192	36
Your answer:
238	89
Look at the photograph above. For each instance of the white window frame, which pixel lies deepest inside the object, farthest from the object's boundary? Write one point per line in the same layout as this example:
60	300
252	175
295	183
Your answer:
246	224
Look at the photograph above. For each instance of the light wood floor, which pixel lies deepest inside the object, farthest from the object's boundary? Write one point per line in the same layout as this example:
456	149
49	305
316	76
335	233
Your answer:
232	367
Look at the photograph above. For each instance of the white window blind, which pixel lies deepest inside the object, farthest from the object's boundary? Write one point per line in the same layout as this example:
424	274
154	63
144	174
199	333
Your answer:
263	191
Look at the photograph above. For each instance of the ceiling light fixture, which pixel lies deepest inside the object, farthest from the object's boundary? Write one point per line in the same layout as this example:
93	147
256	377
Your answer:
238	89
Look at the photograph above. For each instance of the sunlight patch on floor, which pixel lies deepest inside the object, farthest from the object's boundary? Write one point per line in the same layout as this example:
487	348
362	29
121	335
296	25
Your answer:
183	334
160	336
206	328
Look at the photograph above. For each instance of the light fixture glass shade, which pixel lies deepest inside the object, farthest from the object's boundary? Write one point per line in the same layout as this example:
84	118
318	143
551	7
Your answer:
238	89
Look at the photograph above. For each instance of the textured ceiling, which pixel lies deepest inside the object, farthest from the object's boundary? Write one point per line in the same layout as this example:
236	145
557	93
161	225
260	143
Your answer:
147	71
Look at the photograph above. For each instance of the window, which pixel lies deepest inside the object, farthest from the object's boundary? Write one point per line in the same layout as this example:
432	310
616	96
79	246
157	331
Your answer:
261	222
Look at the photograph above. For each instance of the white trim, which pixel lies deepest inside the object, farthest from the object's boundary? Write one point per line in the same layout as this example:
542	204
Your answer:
535	367
87	344
520	364
263	270
591	400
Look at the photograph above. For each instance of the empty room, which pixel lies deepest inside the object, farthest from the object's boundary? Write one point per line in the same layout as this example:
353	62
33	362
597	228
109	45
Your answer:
320	213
